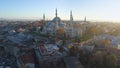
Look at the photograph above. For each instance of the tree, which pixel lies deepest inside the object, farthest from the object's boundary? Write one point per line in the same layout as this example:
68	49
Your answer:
89	33
77	39
85	58
98	59
92	30
106	42
111	61
60	31
71	50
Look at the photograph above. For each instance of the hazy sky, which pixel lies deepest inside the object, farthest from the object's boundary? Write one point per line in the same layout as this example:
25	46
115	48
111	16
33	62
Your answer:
103	10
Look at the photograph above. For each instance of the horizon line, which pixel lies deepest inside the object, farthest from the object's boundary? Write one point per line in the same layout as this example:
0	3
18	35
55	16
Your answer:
28	19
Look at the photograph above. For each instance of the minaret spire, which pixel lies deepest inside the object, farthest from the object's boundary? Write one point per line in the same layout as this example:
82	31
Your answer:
85	19
44	17
56	12
71	17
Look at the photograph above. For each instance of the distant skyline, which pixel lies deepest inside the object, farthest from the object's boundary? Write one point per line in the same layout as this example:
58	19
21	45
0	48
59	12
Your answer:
94	10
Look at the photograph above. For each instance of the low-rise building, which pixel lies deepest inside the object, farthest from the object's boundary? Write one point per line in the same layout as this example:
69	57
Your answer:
26	61
72	62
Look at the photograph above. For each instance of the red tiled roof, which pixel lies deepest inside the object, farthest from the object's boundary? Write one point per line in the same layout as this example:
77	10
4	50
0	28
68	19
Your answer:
20	47
27	58
23	47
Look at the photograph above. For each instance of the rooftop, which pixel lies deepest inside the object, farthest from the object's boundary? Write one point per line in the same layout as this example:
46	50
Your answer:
72	62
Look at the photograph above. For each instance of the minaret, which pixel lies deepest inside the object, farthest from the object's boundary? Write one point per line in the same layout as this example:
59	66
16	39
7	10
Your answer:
86	23
85	19
71	23
44	17
56	24
71	17
56	12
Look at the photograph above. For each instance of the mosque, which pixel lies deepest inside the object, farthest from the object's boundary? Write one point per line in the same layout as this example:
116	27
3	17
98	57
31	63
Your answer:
52	26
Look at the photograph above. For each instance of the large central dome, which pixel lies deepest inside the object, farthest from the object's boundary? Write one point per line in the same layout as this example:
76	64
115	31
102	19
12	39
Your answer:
56	19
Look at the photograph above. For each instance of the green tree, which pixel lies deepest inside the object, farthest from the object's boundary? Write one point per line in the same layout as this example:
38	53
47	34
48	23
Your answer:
98	59
71	51
111	61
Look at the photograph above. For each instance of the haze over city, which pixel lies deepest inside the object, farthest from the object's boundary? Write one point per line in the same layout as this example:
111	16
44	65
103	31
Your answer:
94	10
59	34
